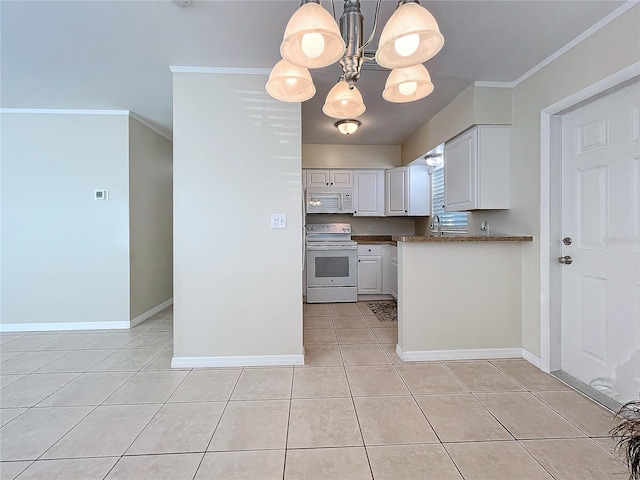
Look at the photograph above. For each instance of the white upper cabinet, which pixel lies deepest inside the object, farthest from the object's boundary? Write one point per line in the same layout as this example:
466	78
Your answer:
368	193
476	170
408	191
329	178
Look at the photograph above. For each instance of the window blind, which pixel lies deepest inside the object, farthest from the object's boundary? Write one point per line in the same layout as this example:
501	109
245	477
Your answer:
453	222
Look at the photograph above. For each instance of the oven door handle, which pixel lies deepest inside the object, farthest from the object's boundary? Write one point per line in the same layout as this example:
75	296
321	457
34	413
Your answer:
332	247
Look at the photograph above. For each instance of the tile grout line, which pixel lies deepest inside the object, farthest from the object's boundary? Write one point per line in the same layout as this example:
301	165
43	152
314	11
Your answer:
79	374
93	410
221	415
424	414
218	422
355	410
286	441
563	416
154	415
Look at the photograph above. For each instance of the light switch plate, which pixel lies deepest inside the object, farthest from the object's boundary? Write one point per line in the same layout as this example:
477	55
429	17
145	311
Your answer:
278	220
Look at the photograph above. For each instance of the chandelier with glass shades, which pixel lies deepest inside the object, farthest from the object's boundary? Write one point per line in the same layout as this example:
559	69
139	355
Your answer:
313	39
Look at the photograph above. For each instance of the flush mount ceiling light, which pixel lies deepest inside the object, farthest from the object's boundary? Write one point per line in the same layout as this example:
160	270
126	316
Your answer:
348	126
313	39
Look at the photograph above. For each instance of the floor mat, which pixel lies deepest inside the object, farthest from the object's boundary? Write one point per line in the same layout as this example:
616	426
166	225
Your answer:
386	311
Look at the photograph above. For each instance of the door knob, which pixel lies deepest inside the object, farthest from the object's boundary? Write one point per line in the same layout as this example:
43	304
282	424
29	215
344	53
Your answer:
567	260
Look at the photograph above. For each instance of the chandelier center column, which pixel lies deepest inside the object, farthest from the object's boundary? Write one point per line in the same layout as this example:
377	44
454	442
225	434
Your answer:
351	27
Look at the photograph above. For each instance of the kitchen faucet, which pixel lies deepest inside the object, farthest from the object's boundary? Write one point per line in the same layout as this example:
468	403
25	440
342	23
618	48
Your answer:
436	224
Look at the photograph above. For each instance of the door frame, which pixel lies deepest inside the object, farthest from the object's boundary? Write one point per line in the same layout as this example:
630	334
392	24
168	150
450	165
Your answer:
551	209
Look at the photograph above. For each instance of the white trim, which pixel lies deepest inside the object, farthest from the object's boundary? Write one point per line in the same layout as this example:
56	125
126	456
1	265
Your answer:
531	358
149	126
494	84
62	111
629	4
224	70
236	361
150	313
579	39
625	75
50	327
545	243
469	354
548	356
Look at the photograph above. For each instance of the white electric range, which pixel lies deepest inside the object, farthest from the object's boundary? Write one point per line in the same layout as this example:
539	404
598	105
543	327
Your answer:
332	263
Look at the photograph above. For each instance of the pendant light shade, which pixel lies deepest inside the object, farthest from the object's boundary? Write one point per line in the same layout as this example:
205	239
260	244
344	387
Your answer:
343	102
312	38
347	127
289	83
408	84
411	36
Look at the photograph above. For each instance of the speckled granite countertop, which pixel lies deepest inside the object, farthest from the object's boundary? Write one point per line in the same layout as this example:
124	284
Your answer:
462	238
373	239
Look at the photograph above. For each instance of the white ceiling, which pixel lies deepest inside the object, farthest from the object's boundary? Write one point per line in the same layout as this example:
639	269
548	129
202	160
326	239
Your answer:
94	54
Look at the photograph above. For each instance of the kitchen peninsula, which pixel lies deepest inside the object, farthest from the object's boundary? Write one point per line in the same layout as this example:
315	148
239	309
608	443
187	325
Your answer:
459	296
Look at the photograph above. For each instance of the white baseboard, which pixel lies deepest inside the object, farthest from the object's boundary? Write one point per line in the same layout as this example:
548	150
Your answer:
374	297
237	361
470	354
531	358
150	313
50	327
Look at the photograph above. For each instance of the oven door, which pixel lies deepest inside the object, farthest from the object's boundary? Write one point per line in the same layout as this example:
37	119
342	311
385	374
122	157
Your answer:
332	266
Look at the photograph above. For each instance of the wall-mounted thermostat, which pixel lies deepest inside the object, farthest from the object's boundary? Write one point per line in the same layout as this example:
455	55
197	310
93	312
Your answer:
101	195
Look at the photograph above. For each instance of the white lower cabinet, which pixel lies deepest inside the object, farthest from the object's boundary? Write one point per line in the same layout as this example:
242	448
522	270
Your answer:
394	271
378	270
369	269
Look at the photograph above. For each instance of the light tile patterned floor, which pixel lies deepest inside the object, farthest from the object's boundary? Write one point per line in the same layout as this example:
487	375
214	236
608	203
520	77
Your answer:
106	405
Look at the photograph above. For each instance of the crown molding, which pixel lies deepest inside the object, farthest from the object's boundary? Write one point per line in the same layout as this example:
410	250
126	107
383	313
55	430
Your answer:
622	9
63	111
220	70
495	84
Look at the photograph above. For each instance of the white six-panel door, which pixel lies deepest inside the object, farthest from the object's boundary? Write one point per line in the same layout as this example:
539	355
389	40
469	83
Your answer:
601	216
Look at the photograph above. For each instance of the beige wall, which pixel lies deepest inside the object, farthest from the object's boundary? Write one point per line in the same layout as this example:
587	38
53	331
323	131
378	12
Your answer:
65	256
237	282
614	47
458	296
350	156
360	225
474	106
150	218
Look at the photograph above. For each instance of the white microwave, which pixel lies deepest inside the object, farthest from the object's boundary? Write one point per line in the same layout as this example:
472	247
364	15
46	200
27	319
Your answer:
334	200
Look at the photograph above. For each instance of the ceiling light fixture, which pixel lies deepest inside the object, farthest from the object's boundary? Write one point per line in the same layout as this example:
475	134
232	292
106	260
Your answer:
348	126
313	39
